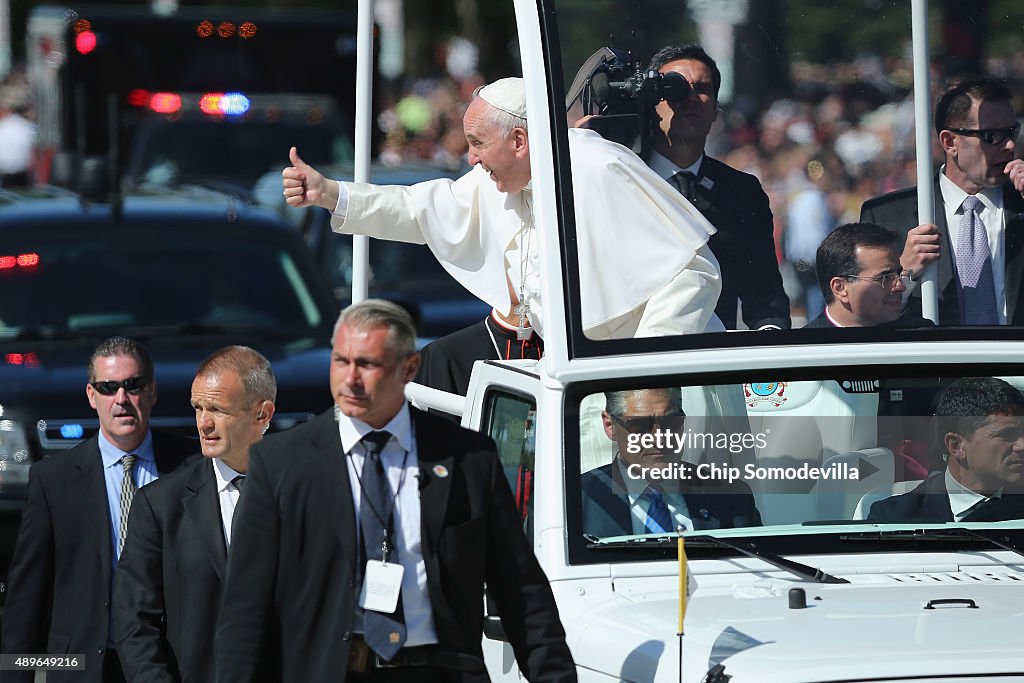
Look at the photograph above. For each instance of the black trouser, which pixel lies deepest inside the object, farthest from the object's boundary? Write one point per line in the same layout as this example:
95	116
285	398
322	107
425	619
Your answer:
112	671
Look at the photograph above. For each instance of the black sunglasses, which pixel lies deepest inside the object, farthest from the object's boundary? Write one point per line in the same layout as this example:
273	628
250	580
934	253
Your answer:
990	136
645	424
132	385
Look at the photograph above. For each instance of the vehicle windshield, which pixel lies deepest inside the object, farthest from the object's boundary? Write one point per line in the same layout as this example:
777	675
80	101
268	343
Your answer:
797	454
73	283
810	115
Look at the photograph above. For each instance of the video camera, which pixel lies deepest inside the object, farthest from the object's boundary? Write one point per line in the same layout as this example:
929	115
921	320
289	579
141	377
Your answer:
613	89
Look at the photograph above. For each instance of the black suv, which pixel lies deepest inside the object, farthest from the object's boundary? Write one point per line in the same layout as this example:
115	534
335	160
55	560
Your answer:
184	272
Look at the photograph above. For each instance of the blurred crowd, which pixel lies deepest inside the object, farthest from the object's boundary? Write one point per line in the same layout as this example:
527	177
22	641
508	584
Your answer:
17	130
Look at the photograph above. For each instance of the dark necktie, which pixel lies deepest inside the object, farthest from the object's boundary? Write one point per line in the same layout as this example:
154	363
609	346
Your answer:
987	510
659	517
685	182
384	633
127	495
974	268
239	482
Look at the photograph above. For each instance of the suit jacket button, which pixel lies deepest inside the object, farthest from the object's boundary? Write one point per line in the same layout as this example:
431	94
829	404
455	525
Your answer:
351	583
347	635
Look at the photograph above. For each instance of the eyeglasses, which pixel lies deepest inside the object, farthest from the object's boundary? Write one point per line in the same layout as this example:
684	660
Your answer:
645	424
132	385
990	136
887	280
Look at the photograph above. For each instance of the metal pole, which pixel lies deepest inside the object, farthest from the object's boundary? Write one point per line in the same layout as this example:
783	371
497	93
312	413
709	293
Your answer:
364	113
923	138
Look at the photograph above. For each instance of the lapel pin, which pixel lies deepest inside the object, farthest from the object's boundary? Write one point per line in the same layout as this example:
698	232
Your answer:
707	183
441	471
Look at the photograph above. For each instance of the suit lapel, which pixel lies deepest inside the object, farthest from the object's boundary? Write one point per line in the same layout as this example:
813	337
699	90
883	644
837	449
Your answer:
331	457
435	479
1013	207
202	505
945	273
935	505
94	507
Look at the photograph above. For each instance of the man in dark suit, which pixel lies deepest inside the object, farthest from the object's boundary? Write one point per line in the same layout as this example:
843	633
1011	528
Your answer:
731	200
860	277
620	498
978	234
979	422
171	574
412	507
75	514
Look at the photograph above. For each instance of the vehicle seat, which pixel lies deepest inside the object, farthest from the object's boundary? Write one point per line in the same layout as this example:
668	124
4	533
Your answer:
838	498
804	422
881	493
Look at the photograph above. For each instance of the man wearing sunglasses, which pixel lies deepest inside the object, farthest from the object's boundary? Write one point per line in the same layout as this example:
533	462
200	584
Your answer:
74	521
624	498
978	235
859	273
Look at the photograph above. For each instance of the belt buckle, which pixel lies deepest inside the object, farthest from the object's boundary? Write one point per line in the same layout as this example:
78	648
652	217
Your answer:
379	663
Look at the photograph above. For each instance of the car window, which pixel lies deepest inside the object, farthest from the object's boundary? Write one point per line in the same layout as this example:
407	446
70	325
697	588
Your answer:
761	455
73	283
511	422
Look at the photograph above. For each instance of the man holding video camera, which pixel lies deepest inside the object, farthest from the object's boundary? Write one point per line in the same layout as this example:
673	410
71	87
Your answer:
731	200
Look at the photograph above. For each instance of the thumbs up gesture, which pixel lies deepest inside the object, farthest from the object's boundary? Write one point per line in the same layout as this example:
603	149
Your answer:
305	186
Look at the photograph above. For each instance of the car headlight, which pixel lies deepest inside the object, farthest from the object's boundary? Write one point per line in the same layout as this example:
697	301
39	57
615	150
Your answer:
14	455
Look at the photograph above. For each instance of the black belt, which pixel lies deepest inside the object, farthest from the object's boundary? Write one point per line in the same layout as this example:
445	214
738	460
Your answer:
362	659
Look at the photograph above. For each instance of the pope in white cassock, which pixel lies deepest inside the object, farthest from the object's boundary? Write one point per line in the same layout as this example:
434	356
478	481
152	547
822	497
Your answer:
645	267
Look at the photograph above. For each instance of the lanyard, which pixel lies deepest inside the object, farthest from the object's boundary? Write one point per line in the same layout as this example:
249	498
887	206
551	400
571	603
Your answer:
389	523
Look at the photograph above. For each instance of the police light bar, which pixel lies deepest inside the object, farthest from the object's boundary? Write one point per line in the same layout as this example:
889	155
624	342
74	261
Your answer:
224	104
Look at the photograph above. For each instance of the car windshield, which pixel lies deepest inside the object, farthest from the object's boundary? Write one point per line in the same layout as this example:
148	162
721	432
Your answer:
132	279
795	454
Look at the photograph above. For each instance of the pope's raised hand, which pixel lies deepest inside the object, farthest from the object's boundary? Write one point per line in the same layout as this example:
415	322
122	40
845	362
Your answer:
303	184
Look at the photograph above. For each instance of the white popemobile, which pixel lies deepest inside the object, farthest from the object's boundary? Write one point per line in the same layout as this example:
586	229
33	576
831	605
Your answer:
770	450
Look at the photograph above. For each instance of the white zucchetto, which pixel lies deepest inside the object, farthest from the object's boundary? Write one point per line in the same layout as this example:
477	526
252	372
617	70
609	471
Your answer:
506	94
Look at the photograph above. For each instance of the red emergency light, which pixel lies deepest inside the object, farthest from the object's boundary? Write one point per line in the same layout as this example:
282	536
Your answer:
21	260
85	42
165	102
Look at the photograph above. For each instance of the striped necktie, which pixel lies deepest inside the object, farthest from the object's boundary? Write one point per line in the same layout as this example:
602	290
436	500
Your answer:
127	495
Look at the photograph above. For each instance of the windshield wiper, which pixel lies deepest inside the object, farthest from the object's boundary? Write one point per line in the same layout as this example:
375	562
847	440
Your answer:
957	533
705	541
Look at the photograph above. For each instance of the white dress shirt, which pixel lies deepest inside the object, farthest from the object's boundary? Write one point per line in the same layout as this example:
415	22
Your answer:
405	484
962	499
227	494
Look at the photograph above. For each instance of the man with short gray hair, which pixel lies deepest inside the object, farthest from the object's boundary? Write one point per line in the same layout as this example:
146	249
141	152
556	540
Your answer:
365	538
170	579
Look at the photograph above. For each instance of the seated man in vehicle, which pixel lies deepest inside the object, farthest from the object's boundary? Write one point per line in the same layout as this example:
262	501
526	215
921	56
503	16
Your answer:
979	424
859	273
648	488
